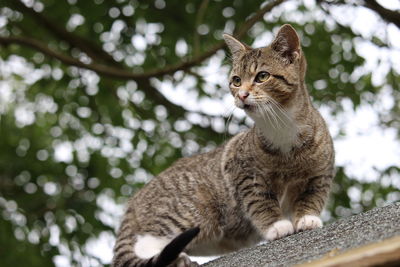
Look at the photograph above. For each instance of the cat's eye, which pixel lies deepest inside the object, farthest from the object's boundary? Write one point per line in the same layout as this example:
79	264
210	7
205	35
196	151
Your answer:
236	81
262	76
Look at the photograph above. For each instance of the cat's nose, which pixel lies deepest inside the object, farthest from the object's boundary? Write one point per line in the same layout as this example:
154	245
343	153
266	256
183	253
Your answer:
243	94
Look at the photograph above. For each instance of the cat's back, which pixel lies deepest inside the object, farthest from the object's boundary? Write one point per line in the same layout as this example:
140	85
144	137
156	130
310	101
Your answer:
186	176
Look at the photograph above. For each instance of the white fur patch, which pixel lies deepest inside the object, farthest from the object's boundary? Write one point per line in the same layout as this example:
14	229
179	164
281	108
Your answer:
279	229
147	246
308	222
278	128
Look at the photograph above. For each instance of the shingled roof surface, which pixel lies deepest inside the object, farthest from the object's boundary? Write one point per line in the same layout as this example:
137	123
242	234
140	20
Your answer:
343	235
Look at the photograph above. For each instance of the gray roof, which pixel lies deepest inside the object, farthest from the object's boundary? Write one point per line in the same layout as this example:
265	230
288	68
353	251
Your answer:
347	233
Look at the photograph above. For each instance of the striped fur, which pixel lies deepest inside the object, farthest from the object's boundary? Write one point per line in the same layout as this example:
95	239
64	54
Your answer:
264	183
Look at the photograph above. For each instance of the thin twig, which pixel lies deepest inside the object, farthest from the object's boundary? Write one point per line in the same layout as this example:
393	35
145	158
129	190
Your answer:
199	20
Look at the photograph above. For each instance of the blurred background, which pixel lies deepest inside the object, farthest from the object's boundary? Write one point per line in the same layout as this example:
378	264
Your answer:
98	96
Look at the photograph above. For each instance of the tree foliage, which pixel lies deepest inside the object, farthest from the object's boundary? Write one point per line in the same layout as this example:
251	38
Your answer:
91	105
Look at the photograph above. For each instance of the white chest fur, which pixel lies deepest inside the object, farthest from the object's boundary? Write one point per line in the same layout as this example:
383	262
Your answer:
278	128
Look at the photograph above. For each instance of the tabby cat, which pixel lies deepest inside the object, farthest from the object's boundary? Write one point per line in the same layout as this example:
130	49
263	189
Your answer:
267	182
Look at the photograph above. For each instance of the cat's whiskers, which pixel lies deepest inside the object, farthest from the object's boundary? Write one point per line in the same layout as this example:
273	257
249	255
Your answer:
276	116
267	116
281	108
270	106
228	114
271	118
273	115
261	111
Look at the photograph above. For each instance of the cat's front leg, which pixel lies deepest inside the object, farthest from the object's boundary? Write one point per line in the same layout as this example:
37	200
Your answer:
310	203
262	207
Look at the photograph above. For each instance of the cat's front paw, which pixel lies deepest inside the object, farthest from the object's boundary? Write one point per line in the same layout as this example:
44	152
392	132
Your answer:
308	222
279	229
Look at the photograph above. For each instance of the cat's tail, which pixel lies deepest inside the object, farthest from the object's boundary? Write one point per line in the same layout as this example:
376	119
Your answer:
125	257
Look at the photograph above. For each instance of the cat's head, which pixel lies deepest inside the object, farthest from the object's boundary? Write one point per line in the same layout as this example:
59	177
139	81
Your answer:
270	75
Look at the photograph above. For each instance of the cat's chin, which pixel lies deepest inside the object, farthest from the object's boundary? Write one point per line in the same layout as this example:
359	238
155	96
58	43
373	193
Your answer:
250	110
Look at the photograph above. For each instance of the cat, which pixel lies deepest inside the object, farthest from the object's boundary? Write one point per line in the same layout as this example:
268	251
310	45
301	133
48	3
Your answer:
265	183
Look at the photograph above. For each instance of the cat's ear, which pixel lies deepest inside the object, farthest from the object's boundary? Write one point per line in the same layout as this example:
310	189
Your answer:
287	43
235	46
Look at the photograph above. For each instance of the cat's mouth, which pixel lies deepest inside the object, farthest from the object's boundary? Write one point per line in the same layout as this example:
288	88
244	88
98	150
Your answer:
245	105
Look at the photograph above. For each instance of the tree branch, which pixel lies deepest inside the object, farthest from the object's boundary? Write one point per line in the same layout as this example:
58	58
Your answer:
256	17
120	73
91	49
386	14
99	68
